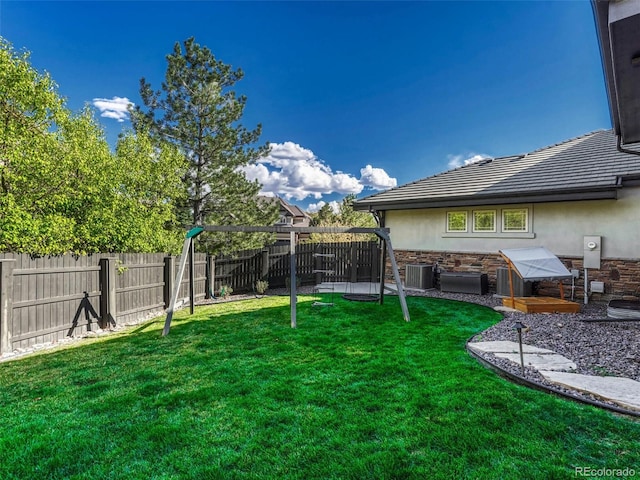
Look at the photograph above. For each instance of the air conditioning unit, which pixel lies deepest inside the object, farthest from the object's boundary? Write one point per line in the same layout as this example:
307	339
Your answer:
419	276
520	287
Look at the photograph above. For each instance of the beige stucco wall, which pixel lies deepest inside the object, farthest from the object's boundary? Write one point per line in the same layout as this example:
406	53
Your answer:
560	227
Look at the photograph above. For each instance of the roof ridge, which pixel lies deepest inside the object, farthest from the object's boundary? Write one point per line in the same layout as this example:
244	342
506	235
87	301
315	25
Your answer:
564	142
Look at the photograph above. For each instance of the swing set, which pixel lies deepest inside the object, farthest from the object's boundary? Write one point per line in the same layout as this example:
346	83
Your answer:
329	265
192	234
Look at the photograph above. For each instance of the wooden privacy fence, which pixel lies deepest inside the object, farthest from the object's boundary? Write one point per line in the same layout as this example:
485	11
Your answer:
43	300
351	262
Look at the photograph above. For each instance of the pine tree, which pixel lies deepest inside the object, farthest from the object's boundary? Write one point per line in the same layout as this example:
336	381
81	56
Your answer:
197	110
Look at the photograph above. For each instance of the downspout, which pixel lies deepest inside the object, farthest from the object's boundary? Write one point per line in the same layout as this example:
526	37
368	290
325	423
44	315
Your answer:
586	286
621	150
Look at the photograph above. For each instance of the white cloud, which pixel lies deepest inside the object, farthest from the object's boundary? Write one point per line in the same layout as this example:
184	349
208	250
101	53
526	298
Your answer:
376	178
116	107
456	161
315	207
295	172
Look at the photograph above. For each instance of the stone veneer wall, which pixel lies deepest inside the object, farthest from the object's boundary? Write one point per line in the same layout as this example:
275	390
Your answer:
621	277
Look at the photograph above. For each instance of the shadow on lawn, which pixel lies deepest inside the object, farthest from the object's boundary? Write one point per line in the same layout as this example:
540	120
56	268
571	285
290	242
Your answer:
354	379
260	315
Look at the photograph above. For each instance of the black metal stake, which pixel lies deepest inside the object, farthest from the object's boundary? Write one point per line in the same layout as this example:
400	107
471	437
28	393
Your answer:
519	326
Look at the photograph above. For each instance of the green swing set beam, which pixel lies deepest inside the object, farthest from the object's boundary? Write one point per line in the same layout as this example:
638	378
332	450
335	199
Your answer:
194	231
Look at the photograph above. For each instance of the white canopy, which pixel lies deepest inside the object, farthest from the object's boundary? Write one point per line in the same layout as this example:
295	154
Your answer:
535	263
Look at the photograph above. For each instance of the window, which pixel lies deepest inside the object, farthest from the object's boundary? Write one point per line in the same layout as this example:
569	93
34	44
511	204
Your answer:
456	221
515	220
484	221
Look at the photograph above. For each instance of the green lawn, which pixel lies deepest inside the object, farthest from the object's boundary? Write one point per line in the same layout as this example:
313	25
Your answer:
354	392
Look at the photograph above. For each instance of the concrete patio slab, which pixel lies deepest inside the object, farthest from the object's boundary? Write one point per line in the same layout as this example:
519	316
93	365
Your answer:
505	346
546	361
623	391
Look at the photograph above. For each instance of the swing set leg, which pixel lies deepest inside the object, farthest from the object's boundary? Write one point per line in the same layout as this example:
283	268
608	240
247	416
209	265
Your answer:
187	253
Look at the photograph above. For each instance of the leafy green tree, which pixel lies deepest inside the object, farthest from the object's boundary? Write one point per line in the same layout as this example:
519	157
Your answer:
198	111
62	189
149	185
29	105
345	217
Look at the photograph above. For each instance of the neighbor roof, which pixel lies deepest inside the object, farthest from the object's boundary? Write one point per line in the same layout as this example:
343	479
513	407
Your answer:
583	168
294	210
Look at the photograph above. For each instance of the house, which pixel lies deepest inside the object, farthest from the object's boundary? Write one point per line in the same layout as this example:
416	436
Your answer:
580	199
293	216
617	26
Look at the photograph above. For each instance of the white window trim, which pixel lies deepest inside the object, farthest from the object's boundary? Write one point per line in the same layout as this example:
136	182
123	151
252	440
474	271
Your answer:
495	221
466	222
526	220
499	231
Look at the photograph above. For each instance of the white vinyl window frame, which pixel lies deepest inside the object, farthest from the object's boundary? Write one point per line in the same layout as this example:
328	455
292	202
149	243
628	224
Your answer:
484	221
457	221
515	220
510	222
285	220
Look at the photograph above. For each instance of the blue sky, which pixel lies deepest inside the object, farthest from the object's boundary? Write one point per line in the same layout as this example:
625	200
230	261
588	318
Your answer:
354	96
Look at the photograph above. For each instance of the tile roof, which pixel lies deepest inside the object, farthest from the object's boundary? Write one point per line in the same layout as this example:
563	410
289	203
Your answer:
294	210
586	167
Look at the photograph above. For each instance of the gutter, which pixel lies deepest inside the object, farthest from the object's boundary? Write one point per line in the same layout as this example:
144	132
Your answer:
600	10
604	193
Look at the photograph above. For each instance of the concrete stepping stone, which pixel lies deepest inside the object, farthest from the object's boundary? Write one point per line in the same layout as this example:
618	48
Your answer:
538	358
546	361
557	369
504	346
620	390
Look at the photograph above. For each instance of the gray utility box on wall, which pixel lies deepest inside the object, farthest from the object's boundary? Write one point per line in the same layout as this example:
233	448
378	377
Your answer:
464	282
419	276
592	251
520	287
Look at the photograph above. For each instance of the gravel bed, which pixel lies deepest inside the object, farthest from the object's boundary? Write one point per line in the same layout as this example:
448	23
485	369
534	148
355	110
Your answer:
596	344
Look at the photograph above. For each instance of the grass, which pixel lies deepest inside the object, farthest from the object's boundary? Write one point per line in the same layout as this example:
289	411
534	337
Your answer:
353	393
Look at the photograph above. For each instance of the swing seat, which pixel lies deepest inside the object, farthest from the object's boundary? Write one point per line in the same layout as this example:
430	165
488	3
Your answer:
361	297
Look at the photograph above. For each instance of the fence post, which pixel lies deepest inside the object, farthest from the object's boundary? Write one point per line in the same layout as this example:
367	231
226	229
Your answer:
6	303
264	271
374	253
169	268
108	308
317	267
211	277
354	262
